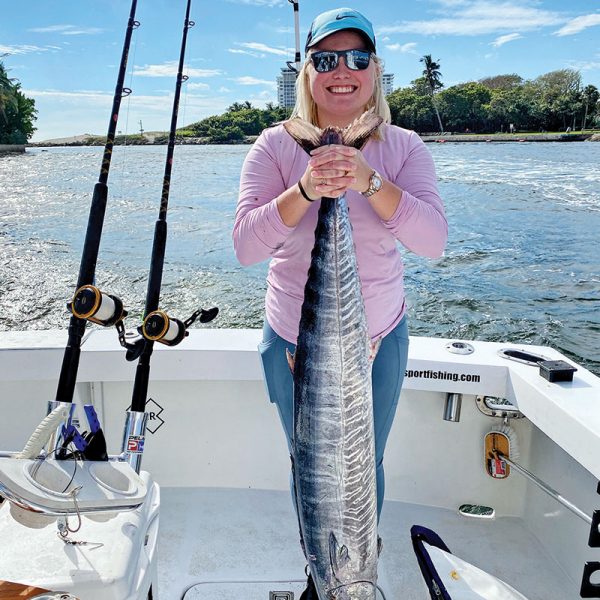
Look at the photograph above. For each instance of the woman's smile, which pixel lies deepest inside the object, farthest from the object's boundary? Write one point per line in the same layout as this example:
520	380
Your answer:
341	94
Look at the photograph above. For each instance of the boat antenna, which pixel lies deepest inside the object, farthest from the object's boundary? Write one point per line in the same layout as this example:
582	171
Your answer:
89	303
157	325
295	66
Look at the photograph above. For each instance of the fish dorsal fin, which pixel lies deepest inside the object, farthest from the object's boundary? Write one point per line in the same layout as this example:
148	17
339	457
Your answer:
305	133
338	557
361	129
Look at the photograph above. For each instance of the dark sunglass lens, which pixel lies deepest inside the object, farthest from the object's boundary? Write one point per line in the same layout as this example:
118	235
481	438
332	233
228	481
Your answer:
325	61
358	59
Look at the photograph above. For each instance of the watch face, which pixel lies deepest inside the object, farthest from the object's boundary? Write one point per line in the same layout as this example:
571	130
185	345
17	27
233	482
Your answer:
375	184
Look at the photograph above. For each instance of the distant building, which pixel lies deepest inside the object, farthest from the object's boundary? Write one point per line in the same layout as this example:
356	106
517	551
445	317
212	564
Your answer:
286	88
387	80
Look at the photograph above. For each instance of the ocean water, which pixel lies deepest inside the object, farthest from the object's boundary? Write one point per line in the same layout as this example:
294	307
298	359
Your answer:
522	263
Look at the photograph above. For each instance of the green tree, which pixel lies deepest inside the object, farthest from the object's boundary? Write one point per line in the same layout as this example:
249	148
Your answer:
464	106
433	76
241	119
502	82
558	95
226	134
508	106
237	106
7	92
17	112
590	97
412	109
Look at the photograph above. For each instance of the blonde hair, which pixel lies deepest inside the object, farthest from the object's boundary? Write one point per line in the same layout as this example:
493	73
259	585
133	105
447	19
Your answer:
306	108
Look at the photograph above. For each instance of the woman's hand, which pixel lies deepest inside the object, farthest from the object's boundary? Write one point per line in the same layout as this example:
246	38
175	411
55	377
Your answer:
334	169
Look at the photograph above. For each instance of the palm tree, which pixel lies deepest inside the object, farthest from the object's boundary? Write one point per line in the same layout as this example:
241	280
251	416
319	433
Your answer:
433	76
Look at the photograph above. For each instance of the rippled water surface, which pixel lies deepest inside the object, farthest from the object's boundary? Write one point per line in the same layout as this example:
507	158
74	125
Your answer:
522	262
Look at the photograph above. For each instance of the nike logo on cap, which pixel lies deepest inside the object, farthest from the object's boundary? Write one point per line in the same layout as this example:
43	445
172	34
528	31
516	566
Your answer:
340	17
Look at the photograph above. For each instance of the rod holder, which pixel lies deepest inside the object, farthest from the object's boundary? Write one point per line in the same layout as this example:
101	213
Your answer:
452	407
134	435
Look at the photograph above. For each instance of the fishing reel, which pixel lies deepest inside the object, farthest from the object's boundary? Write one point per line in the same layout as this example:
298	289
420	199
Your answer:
93	305
159	327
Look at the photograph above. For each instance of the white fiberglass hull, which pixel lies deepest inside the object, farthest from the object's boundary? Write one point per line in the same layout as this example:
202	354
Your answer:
216	448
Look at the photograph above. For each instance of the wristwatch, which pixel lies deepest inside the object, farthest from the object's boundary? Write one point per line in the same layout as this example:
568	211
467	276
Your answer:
375	184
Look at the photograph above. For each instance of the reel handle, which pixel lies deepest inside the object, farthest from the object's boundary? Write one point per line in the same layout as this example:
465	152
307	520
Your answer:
159	327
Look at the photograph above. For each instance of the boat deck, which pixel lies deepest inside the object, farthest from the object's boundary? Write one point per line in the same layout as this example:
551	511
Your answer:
217	544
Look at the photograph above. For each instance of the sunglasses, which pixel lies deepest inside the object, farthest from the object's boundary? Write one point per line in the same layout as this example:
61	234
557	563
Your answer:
328	60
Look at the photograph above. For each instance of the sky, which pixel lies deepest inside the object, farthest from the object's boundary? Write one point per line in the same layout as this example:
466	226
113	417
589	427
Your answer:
66	53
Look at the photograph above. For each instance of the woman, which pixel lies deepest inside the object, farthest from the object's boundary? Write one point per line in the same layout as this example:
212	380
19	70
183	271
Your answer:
390	187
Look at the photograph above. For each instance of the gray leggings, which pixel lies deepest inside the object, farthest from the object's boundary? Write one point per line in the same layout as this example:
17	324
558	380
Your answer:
388	373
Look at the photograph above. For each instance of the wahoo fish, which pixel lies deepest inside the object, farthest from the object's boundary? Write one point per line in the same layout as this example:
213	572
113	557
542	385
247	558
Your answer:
333	447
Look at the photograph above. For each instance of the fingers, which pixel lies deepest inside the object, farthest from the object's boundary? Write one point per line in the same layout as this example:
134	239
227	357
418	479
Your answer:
339	171
331	154
332	162
334	169
346	150
332	186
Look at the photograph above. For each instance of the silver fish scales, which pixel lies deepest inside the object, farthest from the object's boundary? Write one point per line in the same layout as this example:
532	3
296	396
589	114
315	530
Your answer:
334	450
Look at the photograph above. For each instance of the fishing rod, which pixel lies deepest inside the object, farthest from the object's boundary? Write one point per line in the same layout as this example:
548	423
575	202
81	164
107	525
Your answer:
89	303
157	325
295	66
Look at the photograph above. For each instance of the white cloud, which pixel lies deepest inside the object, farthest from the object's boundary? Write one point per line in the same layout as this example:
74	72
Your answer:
247	80
408	48
198	86
77	98
579	24
582	65
24	49
67	30
169	69
261	48
504	39
478	17
259	2
237	51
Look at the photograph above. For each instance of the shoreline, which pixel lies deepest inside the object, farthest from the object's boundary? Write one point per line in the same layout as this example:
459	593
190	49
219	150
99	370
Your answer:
511	137
150	140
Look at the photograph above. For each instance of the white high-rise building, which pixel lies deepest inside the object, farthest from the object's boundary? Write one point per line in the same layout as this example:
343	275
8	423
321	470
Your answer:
286	88
387	80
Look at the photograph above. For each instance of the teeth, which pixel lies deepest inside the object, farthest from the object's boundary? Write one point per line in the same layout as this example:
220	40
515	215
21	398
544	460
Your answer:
342	90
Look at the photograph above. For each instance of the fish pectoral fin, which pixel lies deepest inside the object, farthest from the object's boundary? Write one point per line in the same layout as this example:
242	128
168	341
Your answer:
291	359
360	130
338	556
305	133
374	348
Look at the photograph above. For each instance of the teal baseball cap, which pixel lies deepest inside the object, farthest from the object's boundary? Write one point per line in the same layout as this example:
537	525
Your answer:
340	19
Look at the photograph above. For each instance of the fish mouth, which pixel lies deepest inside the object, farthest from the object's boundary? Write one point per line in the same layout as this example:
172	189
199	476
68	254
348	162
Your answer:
342	89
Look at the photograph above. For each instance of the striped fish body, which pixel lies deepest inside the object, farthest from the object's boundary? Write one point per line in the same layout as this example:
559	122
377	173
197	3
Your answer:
334	451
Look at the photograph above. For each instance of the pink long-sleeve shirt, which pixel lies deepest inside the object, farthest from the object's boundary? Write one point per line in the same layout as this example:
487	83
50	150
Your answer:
275	163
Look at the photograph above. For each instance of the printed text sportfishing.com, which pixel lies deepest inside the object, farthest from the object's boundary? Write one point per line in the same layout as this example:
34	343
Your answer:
444	375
